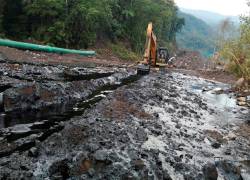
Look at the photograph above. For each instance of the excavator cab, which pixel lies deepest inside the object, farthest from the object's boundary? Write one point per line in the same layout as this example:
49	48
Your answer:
162	55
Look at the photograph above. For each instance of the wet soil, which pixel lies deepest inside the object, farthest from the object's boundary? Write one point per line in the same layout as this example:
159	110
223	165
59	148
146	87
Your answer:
162	126
84	121
35	99
192	63
33	57
213	75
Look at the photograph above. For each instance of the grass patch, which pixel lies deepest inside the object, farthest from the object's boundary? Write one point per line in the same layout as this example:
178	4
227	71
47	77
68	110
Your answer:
123	53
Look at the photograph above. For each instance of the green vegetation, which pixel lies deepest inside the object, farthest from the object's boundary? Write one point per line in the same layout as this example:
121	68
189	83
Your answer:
196	35
234	50
123	53
1	18
81	23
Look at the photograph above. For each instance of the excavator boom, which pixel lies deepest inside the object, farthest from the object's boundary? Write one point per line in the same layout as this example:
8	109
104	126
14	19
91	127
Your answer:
150	46
150	53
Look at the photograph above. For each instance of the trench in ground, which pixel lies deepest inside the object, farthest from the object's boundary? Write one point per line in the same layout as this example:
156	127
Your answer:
46	121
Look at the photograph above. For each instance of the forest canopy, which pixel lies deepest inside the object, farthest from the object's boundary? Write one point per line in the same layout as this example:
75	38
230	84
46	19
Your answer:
81	23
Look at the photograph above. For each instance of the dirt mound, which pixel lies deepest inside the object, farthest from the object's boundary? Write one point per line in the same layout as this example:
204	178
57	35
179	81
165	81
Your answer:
191	60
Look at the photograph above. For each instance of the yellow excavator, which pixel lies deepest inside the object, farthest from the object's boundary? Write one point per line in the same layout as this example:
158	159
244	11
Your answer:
152	54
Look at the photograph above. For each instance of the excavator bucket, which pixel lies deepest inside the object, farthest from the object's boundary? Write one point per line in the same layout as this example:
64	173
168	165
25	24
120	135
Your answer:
143	69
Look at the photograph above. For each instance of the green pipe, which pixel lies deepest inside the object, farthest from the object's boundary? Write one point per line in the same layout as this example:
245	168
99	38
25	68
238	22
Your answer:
35	47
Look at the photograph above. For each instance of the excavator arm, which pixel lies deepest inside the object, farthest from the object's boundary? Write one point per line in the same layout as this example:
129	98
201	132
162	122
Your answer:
150	53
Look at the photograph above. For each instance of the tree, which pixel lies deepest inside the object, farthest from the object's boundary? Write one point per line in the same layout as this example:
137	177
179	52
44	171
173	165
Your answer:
81	23
44	17
235	50
13	19
2	2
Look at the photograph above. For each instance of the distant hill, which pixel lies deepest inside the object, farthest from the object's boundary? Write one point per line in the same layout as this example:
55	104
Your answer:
196	35
210	18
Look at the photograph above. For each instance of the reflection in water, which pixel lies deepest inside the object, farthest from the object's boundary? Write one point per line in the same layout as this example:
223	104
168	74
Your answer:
221	100
218	100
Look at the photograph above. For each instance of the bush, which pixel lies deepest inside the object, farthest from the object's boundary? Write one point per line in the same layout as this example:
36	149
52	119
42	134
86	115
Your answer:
235	51
123	53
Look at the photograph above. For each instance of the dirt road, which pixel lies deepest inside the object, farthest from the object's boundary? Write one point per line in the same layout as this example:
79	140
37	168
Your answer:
78	122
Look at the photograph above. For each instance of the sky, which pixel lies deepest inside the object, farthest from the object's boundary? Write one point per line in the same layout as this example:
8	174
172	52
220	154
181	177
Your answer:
224	7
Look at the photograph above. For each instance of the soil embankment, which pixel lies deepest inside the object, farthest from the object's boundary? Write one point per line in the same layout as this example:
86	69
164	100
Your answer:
192	63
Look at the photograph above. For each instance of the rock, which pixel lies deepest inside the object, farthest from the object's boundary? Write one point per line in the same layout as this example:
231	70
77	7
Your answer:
166	175
242	103
19	97
210	172
33	152
228	170
242	99
138	164
228	152
59	169
217	91
141	135
216	145
93	147
101	155
239	83
91	172
231	137
85	166
156	132
156	115
204	89
20	129
178	126
246	91
245	175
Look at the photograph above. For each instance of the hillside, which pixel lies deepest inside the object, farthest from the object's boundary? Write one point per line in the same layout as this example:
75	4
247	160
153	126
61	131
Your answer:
195	35
211	18
81	24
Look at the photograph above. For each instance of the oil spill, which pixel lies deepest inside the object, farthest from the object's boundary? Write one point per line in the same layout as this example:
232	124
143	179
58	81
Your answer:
42	123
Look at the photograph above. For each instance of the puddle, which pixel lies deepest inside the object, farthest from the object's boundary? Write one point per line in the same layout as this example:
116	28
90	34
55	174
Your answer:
209	90
221	100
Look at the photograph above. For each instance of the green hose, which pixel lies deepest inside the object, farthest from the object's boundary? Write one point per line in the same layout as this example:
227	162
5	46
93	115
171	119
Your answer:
35	47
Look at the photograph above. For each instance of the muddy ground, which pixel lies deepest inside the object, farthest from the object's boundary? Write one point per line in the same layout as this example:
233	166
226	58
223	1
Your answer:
102	122
192	63
34	57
